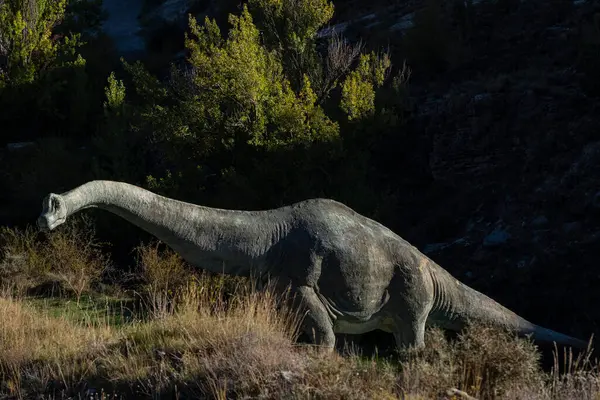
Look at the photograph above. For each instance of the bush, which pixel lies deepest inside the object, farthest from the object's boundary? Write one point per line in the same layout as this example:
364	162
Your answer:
483	362
68	260
358	90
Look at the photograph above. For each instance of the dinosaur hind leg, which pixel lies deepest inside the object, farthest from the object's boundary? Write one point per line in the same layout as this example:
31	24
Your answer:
316	323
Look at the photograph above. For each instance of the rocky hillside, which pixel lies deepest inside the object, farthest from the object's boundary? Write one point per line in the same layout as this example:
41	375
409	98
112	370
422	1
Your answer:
510	202
514	156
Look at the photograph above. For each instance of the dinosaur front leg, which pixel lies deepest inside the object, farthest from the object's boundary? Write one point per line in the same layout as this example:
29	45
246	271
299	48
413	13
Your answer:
412	306
410	333
316	323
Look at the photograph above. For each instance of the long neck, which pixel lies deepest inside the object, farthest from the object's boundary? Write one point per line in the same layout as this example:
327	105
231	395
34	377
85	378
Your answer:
228	241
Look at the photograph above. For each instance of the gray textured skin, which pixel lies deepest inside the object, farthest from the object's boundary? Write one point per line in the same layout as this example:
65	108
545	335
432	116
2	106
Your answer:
352	274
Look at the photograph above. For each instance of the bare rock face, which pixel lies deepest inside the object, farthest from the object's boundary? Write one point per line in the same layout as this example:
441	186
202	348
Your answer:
123	26
170	11
131	23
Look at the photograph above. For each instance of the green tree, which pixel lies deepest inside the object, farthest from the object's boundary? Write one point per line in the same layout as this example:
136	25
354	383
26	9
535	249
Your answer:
118	149
241	86
26	45
241	119
290	28
43	77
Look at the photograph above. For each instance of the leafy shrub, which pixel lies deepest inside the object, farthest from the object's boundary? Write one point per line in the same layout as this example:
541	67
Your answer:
75	257
358	90
22	262
25	40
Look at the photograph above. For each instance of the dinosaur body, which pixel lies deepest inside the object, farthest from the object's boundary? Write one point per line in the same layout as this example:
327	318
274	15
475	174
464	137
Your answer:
350	273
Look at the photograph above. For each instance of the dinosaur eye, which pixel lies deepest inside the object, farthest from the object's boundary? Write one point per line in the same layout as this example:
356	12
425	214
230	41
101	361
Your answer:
55	204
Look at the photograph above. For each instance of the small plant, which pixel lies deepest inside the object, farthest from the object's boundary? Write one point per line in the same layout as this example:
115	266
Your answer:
75	257
164	274
358	90
161	269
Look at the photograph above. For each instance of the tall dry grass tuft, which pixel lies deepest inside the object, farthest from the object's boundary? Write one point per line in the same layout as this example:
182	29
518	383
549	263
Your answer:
209	343
572	377
165	275
579	376
160	268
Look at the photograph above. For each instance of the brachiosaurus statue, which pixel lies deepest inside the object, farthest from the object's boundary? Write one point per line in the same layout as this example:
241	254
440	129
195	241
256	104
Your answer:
352	274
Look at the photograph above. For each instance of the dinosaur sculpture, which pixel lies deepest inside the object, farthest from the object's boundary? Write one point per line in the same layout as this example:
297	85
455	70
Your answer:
350	273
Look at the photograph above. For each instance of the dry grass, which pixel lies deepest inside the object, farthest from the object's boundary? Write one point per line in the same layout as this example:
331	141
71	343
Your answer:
483	362
205	344
206	336
37	350
69	259
199	344
164	275
246	348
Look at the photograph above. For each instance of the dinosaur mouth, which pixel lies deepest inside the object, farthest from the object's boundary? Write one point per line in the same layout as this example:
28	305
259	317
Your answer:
42	224
45	225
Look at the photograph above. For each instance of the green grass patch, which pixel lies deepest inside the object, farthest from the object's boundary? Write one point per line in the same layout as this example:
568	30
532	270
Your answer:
90	309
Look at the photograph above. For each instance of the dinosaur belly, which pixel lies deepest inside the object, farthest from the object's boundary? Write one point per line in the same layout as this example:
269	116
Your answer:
345	326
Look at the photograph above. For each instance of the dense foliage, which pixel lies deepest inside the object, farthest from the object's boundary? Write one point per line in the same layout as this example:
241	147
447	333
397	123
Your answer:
262	107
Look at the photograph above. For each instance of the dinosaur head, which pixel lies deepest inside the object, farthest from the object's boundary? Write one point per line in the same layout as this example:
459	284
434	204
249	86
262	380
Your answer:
54	212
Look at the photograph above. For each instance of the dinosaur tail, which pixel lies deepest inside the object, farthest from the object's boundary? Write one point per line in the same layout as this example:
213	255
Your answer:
455	304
